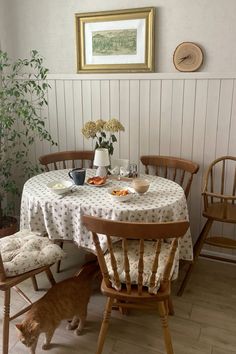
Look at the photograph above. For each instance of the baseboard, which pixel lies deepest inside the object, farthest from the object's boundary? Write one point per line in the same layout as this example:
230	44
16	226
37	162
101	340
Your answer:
229	257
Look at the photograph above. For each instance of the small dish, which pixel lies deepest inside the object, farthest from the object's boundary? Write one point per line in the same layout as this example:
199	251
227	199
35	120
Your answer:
97	181
60	187
120	194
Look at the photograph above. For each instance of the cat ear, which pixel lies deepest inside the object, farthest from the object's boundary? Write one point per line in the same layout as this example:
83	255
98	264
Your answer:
19	326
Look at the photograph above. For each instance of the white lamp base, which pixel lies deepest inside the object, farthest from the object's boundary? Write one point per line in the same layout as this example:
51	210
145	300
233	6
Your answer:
101	171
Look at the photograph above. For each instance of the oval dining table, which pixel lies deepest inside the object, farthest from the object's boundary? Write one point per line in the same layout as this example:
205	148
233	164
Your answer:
46	212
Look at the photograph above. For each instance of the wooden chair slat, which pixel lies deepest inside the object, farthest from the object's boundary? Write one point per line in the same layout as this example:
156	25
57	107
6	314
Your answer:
140	267
155	263
234	185
168	266
101	260
113	263
126	265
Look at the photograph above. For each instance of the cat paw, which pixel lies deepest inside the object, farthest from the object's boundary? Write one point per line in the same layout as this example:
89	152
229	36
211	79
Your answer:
46	346
78	331
71	327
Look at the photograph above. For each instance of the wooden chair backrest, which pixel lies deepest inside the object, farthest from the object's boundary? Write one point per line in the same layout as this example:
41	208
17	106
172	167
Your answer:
177	169
137	231
67	159
219	182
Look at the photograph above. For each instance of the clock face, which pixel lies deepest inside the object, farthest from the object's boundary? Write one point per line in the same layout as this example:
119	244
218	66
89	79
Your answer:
188	56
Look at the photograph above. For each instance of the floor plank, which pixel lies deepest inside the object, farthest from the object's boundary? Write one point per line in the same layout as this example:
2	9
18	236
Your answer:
204	321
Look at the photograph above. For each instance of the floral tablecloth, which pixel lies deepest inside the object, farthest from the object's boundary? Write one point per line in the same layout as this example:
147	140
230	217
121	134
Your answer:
44	211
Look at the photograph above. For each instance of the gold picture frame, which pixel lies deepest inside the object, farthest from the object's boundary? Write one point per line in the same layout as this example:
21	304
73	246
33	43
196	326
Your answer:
115	41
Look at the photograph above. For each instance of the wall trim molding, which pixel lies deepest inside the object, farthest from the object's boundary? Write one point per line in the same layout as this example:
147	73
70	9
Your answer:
142	76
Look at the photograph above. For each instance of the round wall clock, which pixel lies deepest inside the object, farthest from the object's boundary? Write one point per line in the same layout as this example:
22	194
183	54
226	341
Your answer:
188	56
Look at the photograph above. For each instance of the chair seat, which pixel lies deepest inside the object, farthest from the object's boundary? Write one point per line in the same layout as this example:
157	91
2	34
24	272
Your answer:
216	211
26	250
134	296
148	257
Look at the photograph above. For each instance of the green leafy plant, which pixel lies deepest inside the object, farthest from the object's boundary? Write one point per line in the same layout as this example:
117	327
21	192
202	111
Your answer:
23	92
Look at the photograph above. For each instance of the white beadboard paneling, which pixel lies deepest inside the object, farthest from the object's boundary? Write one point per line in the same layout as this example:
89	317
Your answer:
198	152
144	122
189	96
123	138
95	100
61	117
87	108
78	115
115	108
134	146
52	115
105	99
189	115
166	114
69	115
176	118
155	116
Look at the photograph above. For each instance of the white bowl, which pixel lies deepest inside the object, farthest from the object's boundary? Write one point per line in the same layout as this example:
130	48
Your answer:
120	198
60	187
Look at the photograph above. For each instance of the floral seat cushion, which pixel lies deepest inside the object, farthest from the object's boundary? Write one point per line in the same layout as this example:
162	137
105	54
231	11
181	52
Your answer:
133	255
26	250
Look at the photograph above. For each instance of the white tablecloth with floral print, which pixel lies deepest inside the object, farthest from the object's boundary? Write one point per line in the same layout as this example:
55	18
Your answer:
44	211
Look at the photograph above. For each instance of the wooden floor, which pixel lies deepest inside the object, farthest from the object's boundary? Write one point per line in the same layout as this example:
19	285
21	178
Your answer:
204	321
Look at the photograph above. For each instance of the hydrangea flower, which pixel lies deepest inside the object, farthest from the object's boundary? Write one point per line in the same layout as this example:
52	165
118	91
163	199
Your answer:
103	131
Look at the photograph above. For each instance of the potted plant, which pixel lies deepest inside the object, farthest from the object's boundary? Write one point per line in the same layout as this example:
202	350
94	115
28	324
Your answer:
23	92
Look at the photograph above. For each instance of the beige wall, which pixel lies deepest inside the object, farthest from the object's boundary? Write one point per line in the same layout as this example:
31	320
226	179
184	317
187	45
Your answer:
48	26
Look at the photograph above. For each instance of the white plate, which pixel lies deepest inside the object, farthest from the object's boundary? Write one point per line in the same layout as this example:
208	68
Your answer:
97	185
120	198
60	186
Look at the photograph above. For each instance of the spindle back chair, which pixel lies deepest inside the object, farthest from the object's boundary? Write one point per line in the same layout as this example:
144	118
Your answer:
219	199
132	291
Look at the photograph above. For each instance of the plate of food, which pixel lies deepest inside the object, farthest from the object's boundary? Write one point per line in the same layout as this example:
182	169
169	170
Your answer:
120	194
97	181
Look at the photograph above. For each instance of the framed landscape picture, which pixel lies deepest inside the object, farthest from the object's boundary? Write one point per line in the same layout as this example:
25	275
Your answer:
116	41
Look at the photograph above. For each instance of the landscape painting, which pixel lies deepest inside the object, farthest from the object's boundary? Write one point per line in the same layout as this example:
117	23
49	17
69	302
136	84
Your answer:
114	42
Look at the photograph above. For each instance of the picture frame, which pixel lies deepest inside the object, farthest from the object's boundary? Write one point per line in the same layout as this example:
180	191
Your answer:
115	41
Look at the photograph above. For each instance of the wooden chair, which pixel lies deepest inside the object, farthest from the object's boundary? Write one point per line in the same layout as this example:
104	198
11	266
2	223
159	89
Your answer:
131	292
174	168
13	266
63	160
219	198
66	159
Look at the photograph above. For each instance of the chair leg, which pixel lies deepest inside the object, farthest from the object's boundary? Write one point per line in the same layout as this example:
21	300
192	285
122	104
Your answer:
59	262
165	327
196	252
171	311
104	326
6	321
34	282
50	276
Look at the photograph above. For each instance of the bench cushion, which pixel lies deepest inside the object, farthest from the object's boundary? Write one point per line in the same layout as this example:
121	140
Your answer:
26	250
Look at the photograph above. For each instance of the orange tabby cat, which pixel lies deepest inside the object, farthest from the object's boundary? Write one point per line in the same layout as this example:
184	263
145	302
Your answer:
65	300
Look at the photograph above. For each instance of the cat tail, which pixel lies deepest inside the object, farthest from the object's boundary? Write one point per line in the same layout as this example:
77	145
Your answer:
89	269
